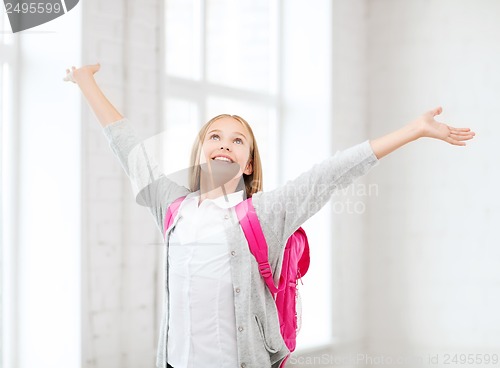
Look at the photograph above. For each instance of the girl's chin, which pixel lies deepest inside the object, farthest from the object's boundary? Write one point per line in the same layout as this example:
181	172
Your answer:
221	172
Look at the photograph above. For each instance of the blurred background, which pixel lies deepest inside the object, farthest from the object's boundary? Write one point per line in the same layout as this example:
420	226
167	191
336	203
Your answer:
405	262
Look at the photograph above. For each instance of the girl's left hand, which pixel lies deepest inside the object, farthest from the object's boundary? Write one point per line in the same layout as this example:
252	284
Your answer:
76	75
427	126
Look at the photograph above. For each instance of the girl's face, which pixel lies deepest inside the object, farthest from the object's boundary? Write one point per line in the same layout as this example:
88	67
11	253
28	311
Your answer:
228	142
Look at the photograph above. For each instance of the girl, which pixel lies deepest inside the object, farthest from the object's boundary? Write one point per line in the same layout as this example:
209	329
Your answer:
217	310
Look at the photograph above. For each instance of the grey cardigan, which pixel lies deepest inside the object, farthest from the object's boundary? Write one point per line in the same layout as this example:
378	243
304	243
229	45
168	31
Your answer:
280	211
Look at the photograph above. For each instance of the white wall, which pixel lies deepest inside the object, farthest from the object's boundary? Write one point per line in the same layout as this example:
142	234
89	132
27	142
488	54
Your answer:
426	283
349	127
432	251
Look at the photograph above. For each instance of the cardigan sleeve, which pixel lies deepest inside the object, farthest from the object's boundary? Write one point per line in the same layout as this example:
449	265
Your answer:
150	186
284	209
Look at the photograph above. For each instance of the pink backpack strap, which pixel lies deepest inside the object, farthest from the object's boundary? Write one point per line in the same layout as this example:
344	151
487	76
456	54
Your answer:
250	224
171	213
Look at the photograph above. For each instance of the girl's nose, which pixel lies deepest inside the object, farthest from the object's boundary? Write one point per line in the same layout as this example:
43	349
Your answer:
223	148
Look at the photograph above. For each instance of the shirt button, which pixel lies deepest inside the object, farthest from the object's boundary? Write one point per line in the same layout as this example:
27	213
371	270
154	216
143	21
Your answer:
226	216
240	328
233	253
243	365
237	290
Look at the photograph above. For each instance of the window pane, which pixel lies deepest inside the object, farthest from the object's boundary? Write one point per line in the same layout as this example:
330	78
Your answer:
181	126
241	44
182	38
263	120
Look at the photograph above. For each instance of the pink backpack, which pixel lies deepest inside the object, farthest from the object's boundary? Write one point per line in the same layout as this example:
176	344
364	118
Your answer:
295	265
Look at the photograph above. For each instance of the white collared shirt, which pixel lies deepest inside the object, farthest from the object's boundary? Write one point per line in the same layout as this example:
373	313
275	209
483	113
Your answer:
202	325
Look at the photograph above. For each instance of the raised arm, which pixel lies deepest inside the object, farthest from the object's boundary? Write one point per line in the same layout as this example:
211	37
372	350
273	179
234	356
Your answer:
150	186
424	126
105	112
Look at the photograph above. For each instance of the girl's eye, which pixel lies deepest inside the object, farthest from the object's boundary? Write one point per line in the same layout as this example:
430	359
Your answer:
216	137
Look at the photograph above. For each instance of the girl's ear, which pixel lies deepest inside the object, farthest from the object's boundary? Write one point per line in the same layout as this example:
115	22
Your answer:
248	168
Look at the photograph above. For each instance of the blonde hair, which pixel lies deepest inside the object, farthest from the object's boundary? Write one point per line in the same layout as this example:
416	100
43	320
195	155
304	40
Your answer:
253	182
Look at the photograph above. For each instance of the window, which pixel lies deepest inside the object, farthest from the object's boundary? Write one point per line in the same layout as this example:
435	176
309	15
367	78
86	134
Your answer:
220	57
226	56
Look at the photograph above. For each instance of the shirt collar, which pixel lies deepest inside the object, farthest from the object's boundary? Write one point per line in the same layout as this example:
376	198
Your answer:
227	201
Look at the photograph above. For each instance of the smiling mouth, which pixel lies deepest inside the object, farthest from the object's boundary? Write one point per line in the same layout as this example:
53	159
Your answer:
223	159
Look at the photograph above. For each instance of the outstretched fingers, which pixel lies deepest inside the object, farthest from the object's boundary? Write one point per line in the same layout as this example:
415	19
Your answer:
457	136
455	142
459	130
462	132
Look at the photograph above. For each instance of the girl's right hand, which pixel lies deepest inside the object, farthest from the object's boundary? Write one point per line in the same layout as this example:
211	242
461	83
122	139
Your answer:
427	126
76	75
